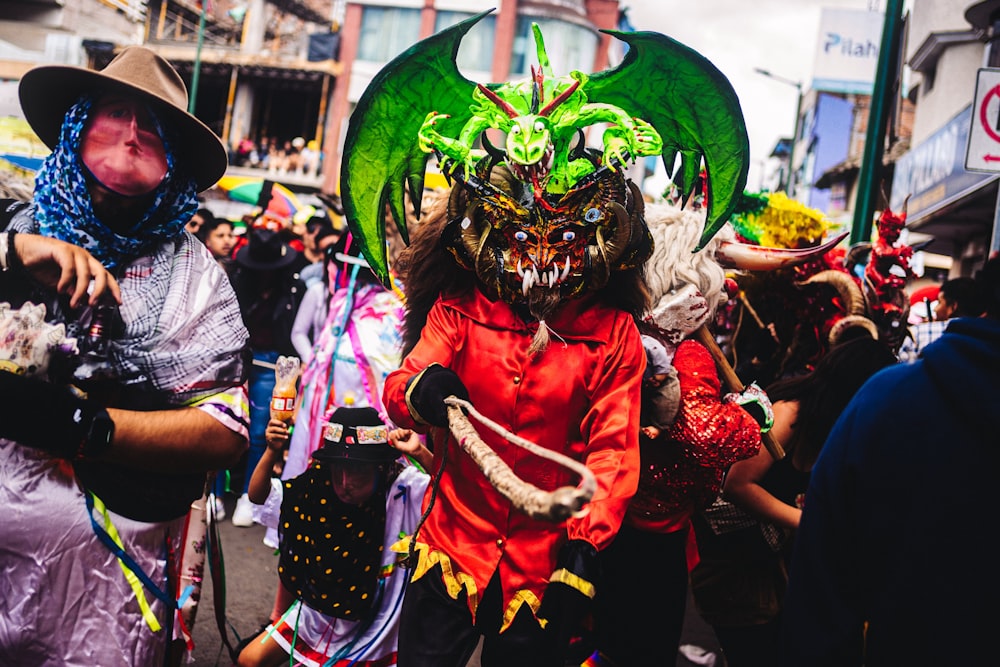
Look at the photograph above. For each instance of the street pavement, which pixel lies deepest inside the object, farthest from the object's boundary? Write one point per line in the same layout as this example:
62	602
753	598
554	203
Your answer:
251	577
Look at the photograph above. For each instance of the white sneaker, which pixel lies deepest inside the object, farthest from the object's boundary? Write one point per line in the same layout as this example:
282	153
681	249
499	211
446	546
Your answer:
697	655
243	514
271	538
220	509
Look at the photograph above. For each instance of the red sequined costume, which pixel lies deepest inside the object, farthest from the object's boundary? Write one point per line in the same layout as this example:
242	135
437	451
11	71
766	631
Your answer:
682	471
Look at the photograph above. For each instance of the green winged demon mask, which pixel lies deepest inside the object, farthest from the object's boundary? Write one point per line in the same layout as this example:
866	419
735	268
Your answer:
543	217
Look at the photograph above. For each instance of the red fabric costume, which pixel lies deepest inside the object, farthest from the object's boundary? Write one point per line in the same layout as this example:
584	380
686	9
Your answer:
586	385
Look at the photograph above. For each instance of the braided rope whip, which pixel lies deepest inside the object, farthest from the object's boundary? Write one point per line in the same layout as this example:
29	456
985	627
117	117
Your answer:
558	505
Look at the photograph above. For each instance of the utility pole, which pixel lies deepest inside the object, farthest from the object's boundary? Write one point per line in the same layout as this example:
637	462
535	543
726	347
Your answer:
878	116
193	99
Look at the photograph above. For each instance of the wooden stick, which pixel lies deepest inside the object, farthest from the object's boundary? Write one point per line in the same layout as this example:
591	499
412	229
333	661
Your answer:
733	383
750	309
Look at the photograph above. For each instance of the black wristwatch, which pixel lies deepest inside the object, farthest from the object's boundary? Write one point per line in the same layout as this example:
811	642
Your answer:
99	436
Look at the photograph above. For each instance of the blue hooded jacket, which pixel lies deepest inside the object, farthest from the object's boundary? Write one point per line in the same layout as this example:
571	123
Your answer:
900	519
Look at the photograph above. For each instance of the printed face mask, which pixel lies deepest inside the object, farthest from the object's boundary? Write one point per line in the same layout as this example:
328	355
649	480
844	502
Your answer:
535	251
122	146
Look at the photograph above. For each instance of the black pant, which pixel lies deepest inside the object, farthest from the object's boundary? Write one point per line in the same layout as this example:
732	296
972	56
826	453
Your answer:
640	606
438	631
750	645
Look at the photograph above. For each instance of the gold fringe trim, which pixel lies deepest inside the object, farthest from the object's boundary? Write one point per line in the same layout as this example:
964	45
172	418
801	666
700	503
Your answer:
426	559
455	582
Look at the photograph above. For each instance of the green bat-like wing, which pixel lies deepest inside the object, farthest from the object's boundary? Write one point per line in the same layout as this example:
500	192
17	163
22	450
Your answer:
693	107
381	152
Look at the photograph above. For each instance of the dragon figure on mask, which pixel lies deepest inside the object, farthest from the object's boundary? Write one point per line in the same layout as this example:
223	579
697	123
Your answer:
539	138
544	218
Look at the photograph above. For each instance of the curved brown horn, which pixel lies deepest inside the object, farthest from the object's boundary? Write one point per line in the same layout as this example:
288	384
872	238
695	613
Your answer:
854	303
624	250
475	244
600	270
615	247
638	203
845	323
857	254
751	257
641	242
460	209
487	264
849	291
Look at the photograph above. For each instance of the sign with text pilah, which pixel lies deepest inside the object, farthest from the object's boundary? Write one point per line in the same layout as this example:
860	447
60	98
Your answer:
983	153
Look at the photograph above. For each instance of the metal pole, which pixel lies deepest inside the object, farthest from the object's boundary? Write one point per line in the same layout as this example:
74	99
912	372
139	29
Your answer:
197	60
884	89
790	190
995	235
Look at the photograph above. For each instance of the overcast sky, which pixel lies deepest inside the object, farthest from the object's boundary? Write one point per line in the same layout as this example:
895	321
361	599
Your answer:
740	35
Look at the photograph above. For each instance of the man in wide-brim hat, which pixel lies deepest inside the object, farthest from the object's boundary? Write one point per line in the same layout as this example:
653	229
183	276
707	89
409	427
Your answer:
102	477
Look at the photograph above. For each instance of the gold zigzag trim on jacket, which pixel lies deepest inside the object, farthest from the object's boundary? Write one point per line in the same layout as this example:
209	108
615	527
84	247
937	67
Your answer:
455	582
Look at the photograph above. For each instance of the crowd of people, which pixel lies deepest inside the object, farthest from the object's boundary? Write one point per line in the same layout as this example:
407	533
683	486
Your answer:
293	156
395	543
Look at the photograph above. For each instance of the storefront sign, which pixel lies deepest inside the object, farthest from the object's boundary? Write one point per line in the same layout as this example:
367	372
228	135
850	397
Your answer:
933	174
847	51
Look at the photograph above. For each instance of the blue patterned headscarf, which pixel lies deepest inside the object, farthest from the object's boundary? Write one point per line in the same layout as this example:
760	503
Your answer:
64	209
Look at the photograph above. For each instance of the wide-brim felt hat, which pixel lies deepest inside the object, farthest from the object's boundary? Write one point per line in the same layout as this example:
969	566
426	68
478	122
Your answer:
265	250
356	434
47	93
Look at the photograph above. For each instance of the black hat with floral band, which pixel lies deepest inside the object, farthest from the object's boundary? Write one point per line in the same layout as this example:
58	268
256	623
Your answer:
356	434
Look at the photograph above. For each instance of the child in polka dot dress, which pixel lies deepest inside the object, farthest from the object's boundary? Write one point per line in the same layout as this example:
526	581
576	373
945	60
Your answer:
336	522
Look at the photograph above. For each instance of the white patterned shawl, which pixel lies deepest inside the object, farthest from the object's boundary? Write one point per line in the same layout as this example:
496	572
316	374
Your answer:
184	336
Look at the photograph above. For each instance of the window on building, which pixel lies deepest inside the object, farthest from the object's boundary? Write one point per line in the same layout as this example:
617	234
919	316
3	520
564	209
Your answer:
569	46
476	51
386	32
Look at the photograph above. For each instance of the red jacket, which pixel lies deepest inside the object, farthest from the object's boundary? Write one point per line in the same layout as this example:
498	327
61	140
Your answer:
579	397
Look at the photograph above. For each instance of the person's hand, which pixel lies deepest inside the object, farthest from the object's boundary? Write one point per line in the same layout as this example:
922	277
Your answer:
756	403
426	391
650	432
569	596
67	268
276	434
52	418
405	440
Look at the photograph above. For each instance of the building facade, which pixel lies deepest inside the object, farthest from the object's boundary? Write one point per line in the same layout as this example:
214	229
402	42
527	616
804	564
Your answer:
273	72
948	41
